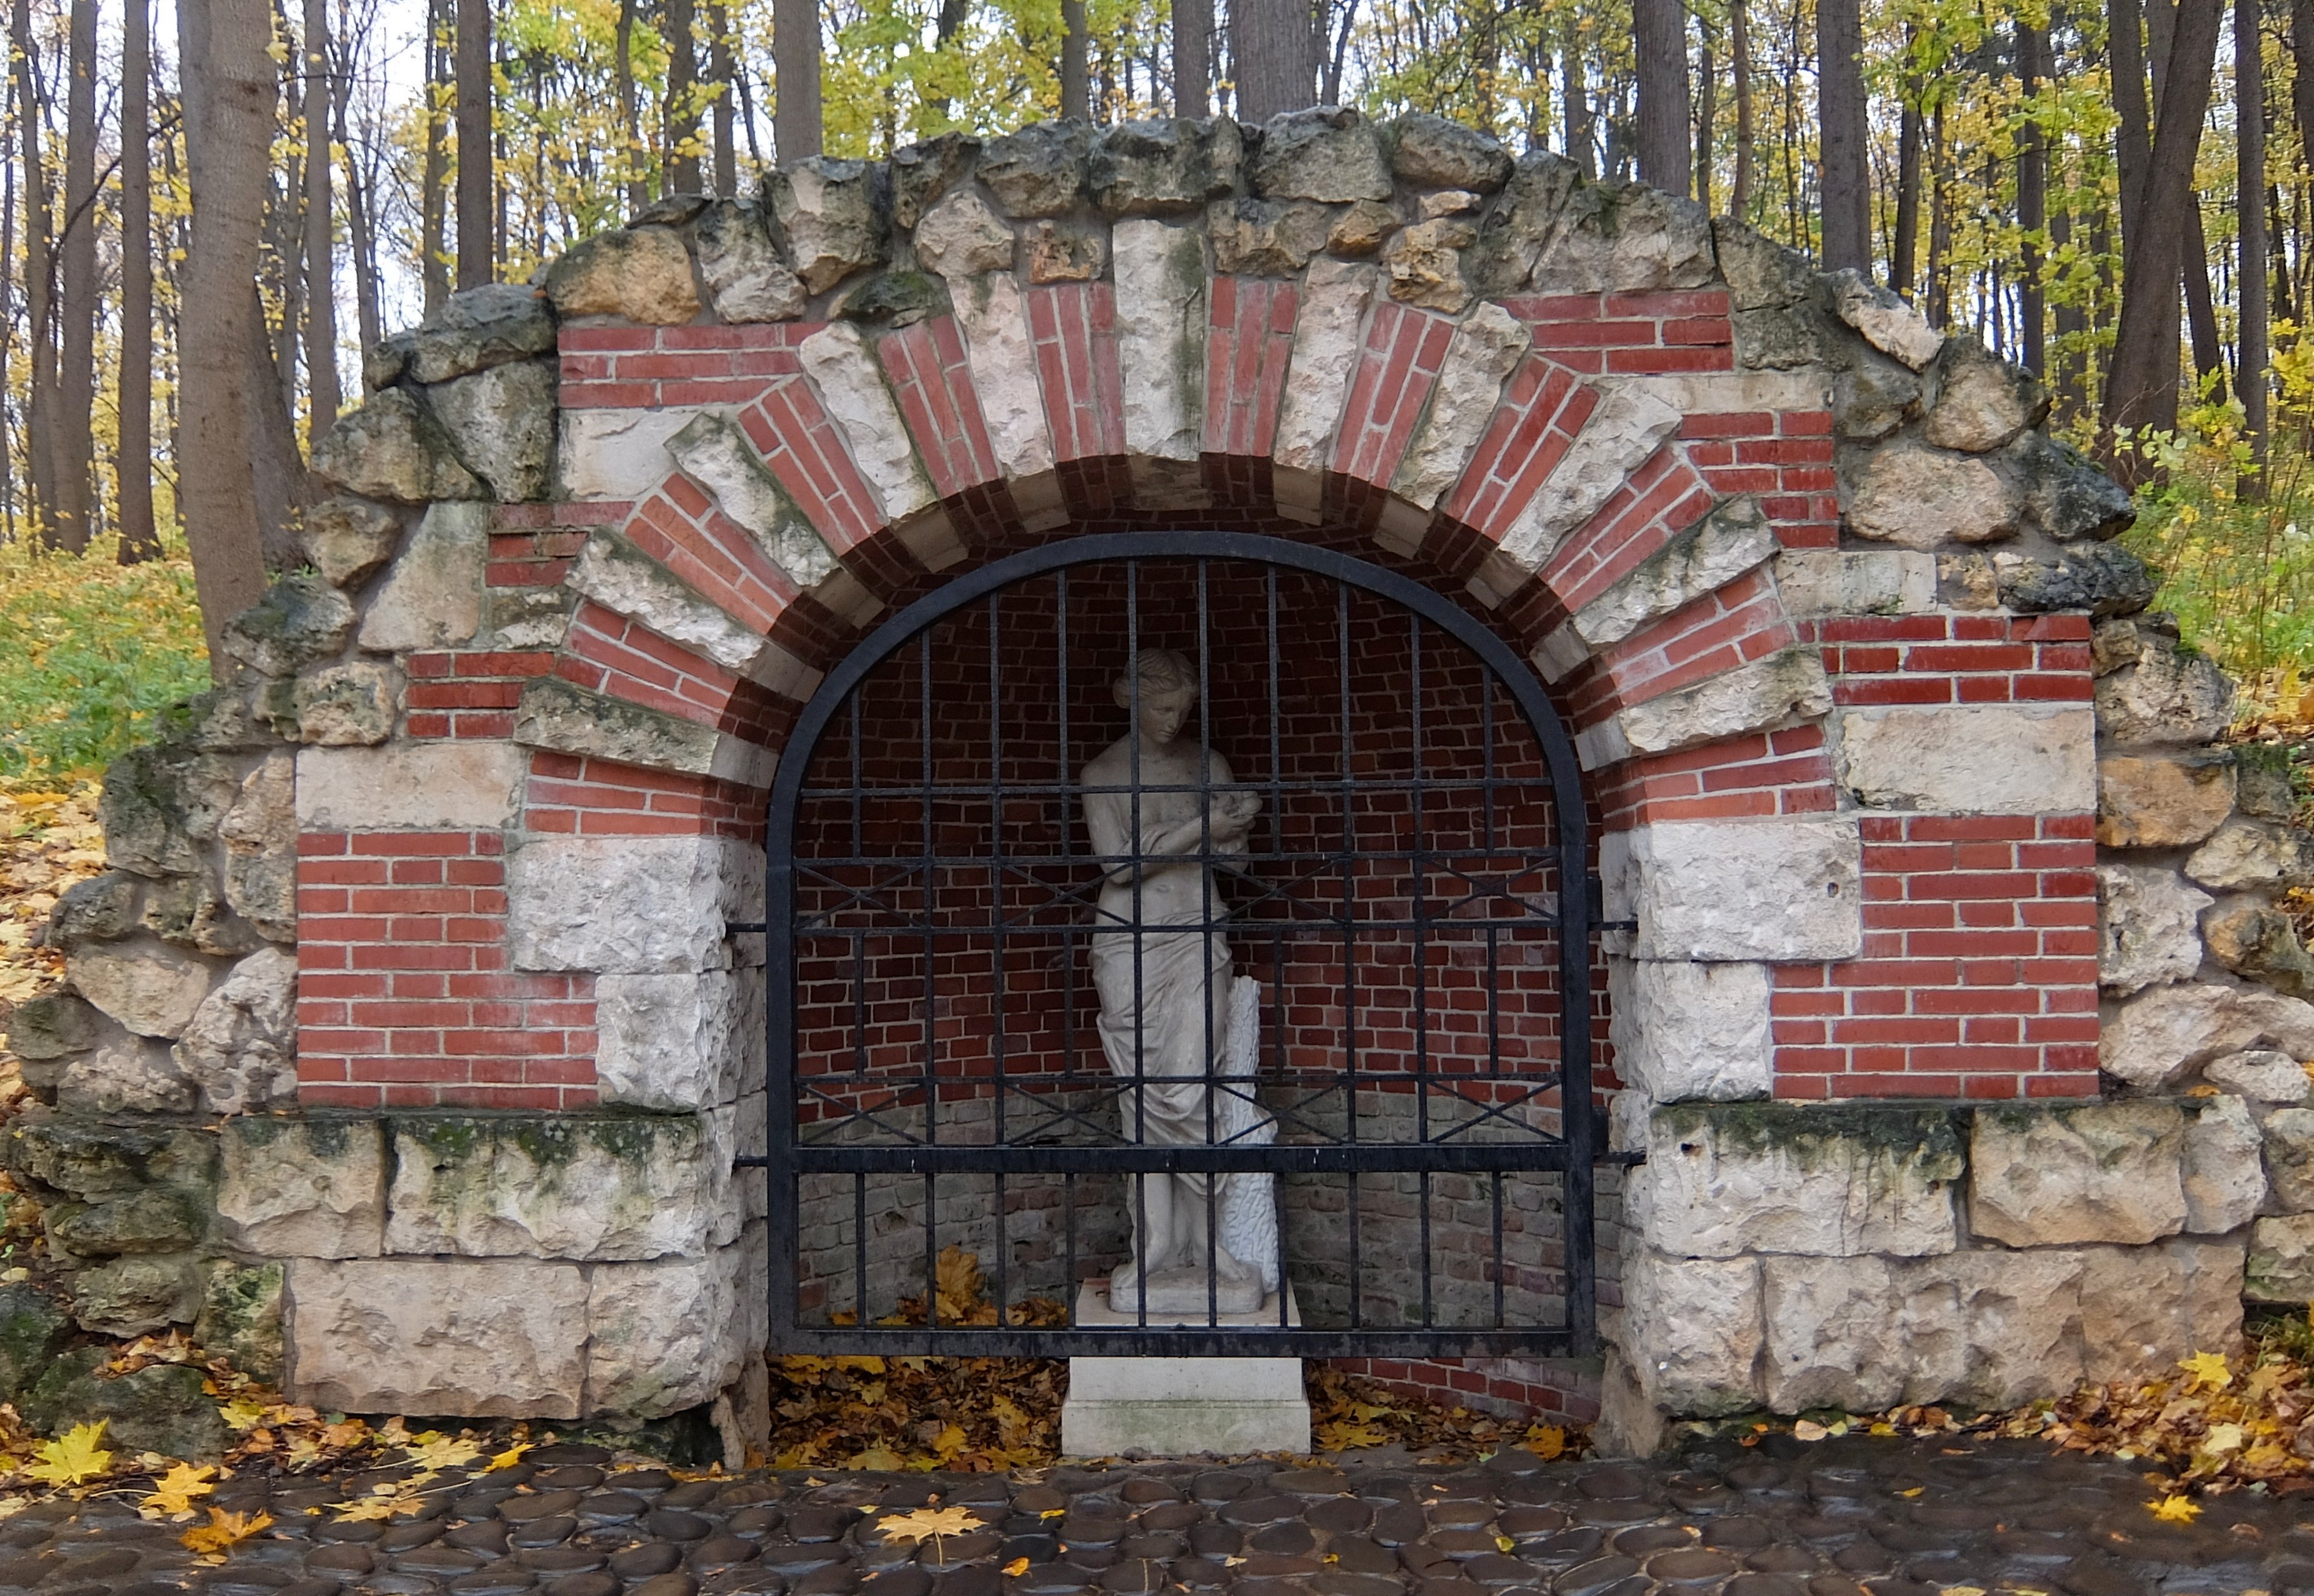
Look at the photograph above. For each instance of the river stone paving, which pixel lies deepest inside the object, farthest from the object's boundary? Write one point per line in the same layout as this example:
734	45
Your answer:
1893	1518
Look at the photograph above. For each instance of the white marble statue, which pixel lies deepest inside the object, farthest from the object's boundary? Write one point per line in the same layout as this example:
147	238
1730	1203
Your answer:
1169	1011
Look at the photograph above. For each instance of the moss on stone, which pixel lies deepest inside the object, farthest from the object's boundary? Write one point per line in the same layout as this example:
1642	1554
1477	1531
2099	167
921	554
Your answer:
1812	1134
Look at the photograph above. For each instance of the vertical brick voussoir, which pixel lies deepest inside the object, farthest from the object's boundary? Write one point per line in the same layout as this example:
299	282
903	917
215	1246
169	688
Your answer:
1663	497
802	449
932	379
1543	407
1072	327
1248	343
1405	350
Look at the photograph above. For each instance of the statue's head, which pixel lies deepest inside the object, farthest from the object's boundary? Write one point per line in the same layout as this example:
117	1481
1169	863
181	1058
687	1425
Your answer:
1166	685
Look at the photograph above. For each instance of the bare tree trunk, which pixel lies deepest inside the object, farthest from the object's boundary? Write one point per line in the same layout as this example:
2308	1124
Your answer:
476	232
2302	77
623	79
230	100
9	440
321	231
1581	129
2201	310
75	441
679	115
39	287
1939	290
719	68
1659	40
2032	199
795	58
1847	197
2250	216
1076	66
1193	57
1707	116
1905	252
433	191
1277	71
361	230
2072	323
138	541
1739	62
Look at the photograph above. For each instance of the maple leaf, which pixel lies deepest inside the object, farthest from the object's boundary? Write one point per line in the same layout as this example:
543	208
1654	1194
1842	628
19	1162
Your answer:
243	1414
2175	1510
72	1457
1546	1442
1016	1567
2206	1368
508	1457
384	1501
434	1452
224	1531
877	1459
1339	1437
928	1523
173	1493
351	1433
2222	1438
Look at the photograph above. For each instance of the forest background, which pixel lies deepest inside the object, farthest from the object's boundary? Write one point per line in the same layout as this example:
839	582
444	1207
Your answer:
1998	162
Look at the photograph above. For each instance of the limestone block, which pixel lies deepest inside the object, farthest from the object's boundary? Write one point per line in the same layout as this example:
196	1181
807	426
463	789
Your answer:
641	274
1329	328
393	448
2101	579
1886	321
2162	801
1780	890
1692	1331
2066	495
1059	253
1872	399
1917	498
1765	693
2156	1038
1634	239
826	208
712	453
922	173
53	1025
125	1075
101	909
432	597
2280	1267
2224	1173
159	805
620	578
241	1316
2150	929
2144	1308
2261	1074
438	1335
1978	402
137	1294
1734	538
678	1042
1267	237
1161	337
2100	1172
476	329
1423	264
1326	154
960	236
1833	1338
1002	357
1629	426
616	454
627	906
1796	1178
1362	229
1162	168
150	988
2261	944
1485	348
746	281
565	718
344	705
2165	696
239	1047
568	1186
1172	1408
188	910
303	1187
502	423
299	620
349	540
852	387
1686	1030
1037	171
2290	1158
1992	1328
1995	759
2251	855
1434	152
1525	221
461	786
666	1335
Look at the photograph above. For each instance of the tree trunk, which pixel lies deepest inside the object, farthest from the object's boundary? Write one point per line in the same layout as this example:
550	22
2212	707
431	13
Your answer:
2032	200
719	67
2201	312
9	475
1707	116
321	231
795	58
2072	321
1659	40
623	81
2133	138
2250	183
1939	290
476	231
1277	68
2301	78
75	441
1582	136
1847	197
138	541
1193	57
679	114
230	100
1076	66
361	229
1904	250
1739	62
433	187
2142	390
39	287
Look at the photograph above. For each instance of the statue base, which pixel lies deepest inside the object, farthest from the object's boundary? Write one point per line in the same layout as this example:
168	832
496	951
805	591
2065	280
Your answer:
1173	1407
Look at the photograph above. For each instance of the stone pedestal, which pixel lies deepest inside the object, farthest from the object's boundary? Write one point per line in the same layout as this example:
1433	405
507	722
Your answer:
1184	1406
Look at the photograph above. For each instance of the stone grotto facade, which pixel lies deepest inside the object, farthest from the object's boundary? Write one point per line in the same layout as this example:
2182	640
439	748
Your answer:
407	1049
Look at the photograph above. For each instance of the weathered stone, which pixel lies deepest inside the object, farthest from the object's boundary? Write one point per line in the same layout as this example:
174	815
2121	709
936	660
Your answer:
2265	785
1692	1331
1059	253
1162	168
667	1335
349	540
2065	496
476	329
2260	944
151	1220
501	422
2156	1038
2162	801
565	718
2165	696
2102	1172
91	1159
341	706
1483	352
2225	1181
259	832
384	361
1856	581
713	454
2290	1157
2263	1075
1434	152
1002	355
922	173
639	274
451	1336
300	620
55	1025
1684	1030
186	909
1762	274
893	299
1265	237
1328	153
2149	928
2102	579
1979	759
239	1047
616	454
432	597
2251	855
1425	264
1777	890
1363	228
463	786
615	574
1978	402
1840	1182
220	720
241	1317
150	988
393	448
1872	399
160	1408
303	1187
1634	239
1990	1328
678	1042
1626	428
1734	538
746	281
1887	323
1037	171
2281	1263
827	209
158	804
33	1327
128	1074
960	236
100	909
137	1293
1765	693
1525	222
852	389
1965	581
1161	337
628	905
1917	498
1835	1338
526	620
1328	331
1449	202
2145	1308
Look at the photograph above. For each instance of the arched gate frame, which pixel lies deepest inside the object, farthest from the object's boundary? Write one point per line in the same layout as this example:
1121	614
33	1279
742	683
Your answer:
1512	1105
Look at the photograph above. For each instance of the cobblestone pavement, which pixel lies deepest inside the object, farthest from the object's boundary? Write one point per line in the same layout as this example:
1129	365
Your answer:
1835	1519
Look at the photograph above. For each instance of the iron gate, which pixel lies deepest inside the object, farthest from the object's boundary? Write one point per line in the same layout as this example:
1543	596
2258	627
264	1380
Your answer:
1412	900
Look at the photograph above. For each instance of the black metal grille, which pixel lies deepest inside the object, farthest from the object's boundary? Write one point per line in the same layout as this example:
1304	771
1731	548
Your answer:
1412	899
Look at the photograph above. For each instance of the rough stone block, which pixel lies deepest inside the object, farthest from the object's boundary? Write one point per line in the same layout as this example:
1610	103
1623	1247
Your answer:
1834	1336
1683	1029
666	1335
628	905
1992	1328
1629	426
567	719
125	1075
303	1187
961	237
1774	890
1692	1331
342	706
678	1042
1326	154
2261	1075
852	389
1037	171
617	454
2280	1267
240	1048
1169	1407
2152	922
2159	800
476	329
711	452
2144	1308
2165	696
994	322
300	620
641	274
2224	1175
1483	349
1919	497
2251	856
1328	328
2101	1172
2259	943
1978	402
1160	336
1886	321
391	448
2156	1038
1734	538
349	540
151	988
438	1335
1970	759
432	597
744	277
454	786
1765	693
2290	1156
502	423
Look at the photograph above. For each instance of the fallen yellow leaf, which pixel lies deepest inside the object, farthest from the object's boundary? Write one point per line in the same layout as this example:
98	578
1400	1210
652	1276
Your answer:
72	1457
929	1522
224	1531
2175	1510
2206	1368
508	1457
1016	1567
173	1493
